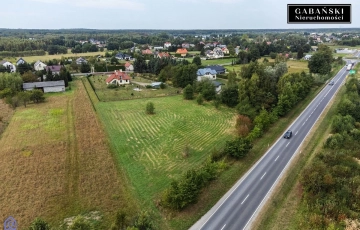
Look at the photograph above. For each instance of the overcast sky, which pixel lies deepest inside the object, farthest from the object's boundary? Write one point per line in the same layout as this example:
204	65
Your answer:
159	14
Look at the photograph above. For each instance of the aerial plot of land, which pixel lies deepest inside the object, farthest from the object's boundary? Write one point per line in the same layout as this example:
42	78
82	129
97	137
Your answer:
151	147
143	129
55	162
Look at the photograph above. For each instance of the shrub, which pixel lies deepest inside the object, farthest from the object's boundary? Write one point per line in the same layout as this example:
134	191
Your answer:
188	92
39	224
200	99
37	96
80	223
186	190
148	86
150	108
238	148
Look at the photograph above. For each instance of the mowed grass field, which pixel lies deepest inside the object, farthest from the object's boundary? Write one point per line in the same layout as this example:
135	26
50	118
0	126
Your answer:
56	163
150	147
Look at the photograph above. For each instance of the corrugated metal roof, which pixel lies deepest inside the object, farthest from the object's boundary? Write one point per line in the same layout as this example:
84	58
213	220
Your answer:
32	85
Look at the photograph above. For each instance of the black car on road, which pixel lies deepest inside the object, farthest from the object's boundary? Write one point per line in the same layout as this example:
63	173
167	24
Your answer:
288	134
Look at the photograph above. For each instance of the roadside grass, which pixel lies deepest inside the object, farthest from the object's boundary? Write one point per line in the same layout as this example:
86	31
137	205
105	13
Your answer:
150	147
237	169
127	92
56	163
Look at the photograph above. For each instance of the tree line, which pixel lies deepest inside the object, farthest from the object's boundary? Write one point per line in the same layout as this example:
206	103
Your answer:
331	182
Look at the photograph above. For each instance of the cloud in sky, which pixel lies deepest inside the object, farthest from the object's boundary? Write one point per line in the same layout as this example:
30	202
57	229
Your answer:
103	4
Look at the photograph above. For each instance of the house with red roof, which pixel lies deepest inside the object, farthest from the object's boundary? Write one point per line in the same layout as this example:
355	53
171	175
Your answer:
118	77
163	55
182	51
147	51
129	66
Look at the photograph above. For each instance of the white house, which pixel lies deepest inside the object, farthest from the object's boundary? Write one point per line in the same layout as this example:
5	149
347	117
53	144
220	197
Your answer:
8	64
118	77
307	57
80	61
167	45
20	61
38	66
206	73
217	52
129	66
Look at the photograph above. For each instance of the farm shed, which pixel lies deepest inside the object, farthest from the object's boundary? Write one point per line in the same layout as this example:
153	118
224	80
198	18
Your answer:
46	86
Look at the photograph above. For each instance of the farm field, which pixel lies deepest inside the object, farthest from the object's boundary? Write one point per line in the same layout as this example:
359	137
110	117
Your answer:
47	57
56	163
150	147
124	93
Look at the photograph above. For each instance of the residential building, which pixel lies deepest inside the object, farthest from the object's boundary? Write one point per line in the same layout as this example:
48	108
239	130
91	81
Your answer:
182	51
185	45
129	66
122	56
55	69
206	73
118	77
217	52
307	57
225	50
80	61
46	86
163	55
167	45
38	66
9	65
218	68
217	86
158	48
147	51
20	61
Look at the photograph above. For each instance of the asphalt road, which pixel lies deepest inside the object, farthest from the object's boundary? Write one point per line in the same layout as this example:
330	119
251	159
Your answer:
242	202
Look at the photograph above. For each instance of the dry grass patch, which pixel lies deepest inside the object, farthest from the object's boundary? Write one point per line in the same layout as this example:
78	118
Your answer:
5	115
56	163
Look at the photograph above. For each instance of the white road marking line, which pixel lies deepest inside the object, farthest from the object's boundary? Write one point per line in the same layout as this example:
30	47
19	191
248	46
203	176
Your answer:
312	112
307	119
223	227
262	176
277	157
296	132
245	199
287	144
303	124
